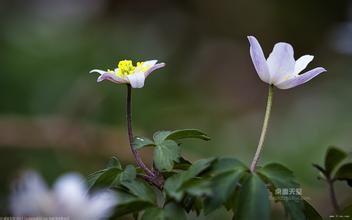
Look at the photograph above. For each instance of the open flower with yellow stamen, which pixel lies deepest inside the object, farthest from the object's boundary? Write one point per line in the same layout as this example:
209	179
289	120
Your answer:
127	73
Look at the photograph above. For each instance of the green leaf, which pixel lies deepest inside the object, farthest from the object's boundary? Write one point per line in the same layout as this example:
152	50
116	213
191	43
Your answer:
344	173
182	164
282	179
253	200
140	189
165	154
140	142
174	212
174	183
129	173
153	213
223	187
170	212
225	164
160	136
128	203
310	212
333	158
187	133
105	178
197	187
226	174
192	203
114	162
137	187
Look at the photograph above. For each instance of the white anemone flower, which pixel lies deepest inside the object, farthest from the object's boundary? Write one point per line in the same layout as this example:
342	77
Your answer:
281	69
127	73
31	197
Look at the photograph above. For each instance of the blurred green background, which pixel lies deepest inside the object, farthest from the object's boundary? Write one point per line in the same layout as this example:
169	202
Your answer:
55	118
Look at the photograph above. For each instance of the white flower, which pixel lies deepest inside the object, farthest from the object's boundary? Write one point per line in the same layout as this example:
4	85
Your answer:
68	198
281	69
126	72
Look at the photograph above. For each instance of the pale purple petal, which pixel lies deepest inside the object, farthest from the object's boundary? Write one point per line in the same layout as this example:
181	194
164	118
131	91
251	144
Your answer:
300	79
302	63
155	67
111	77
281	61
258	59
136	80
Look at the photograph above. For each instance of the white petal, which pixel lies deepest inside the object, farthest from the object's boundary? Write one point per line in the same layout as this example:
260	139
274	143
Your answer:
136	80
150	63
281	61
70	192
155	67
302	63
258	59
101	205
98	71
31	197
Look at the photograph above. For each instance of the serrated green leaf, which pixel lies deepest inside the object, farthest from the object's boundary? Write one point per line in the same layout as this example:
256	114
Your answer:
187	133
165	154
114	162
140	142
333	158
253	200
282	178
310	213
344	173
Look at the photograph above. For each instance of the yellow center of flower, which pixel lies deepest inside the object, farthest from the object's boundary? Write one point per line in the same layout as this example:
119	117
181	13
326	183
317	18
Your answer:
126	67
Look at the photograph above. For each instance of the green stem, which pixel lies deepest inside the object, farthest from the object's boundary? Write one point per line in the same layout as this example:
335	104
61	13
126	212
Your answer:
264	128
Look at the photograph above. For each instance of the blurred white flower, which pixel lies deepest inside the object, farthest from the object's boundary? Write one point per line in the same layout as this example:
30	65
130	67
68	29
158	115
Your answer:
127	73
68	198
281	69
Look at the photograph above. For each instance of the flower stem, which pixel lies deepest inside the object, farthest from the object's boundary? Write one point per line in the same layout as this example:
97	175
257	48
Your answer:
130	134
335	205
264	128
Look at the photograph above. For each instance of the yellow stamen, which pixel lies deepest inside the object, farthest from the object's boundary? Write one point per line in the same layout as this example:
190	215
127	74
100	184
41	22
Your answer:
125	68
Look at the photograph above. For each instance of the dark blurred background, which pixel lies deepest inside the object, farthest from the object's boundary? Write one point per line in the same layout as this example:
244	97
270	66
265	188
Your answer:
55	118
